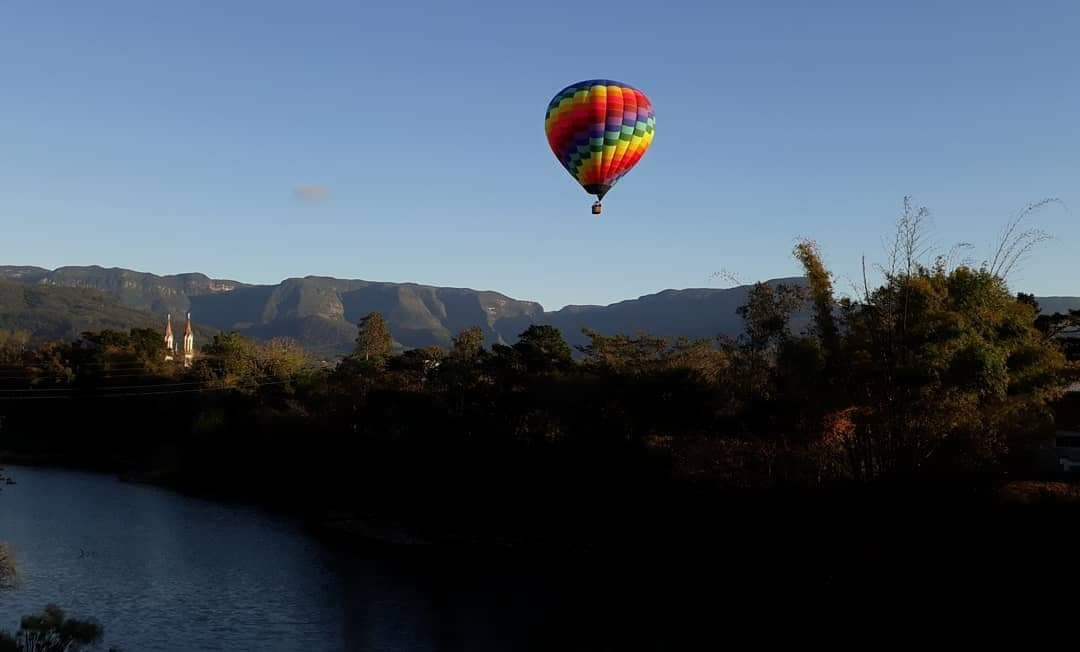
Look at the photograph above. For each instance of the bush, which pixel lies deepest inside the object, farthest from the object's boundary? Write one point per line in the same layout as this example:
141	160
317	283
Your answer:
52	631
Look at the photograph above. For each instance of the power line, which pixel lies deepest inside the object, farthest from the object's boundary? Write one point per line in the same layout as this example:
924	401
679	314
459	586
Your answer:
25	380
84	372
105	387
78	395
106	363
122	370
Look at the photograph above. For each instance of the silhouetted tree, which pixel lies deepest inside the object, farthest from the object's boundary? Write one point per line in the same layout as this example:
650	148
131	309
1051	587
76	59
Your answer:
1064	329
542	349
1028	299
767	313
625	354
411	369
53	631
373	342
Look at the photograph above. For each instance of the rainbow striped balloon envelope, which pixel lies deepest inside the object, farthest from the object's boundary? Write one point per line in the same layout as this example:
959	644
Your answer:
599	129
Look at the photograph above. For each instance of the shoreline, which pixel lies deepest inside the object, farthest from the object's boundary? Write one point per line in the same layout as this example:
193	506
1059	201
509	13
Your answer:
743	522
336	526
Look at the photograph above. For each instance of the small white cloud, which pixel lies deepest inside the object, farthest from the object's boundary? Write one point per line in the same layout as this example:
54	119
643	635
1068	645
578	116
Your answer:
311	194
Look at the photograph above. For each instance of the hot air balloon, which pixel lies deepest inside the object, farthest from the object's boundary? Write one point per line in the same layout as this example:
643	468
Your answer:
599	129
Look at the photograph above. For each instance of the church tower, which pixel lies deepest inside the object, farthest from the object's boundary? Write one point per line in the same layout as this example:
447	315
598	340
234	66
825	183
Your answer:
189	343
170	346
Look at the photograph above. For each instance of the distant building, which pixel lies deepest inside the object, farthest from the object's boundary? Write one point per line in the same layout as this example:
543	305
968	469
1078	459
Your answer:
188	343
170	345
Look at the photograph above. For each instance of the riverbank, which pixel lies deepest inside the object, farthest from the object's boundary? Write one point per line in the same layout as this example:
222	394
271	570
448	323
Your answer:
371	530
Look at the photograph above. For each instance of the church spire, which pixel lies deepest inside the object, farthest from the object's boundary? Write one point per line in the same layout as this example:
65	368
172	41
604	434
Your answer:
169	346
189	343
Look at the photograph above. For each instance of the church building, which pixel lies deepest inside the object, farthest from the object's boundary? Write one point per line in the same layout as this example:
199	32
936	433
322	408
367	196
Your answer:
188	343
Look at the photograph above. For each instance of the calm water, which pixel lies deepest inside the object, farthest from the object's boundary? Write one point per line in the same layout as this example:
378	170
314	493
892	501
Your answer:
163	571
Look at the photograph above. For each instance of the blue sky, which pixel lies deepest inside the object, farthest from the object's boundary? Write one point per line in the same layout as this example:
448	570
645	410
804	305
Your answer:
173	137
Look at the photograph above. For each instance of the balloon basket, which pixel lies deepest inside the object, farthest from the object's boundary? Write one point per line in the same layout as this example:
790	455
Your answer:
596	208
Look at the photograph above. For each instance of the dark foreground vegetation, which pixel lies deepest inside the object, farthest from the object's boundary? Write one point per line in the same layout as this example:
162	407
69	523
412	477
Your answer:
52	631
881	447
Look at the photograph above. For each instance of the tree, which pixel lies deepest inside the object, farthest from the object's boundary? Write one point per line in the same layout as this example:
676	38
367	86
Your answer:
701	358
13	345
938	368
468	343
945	364
231	359
542	349
411	369
1059	324
648	354
1065	329
768	311
821	293
623	353
373	342
461	373
1030	300
52	631
283	358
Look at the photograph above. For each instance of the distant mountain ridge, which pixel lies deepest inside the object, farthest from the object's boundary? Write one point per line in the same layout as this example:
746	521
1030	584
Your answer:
322	312
138	290
693	313
1051	305
64	313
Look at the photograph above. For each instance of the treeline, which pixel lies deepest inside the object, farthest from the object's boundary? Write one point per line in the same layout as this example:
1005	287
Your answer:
937	375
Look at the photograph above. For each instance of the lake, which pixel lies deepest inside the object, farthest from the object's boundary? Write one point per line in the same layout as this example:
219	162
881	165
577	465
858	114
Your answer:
164	571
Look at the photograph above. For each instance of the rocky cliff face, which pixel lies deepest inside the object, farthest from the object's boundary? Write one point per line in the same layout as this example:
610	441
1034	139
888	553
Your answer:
321	312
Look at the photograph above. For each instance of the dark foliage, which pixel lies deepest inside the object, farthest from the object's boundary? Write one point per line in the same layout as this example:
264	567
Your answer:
52	631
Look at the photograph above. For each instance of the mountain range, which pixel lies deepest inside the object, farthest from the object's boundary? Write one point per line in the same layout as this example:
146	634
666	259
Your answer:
322	312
